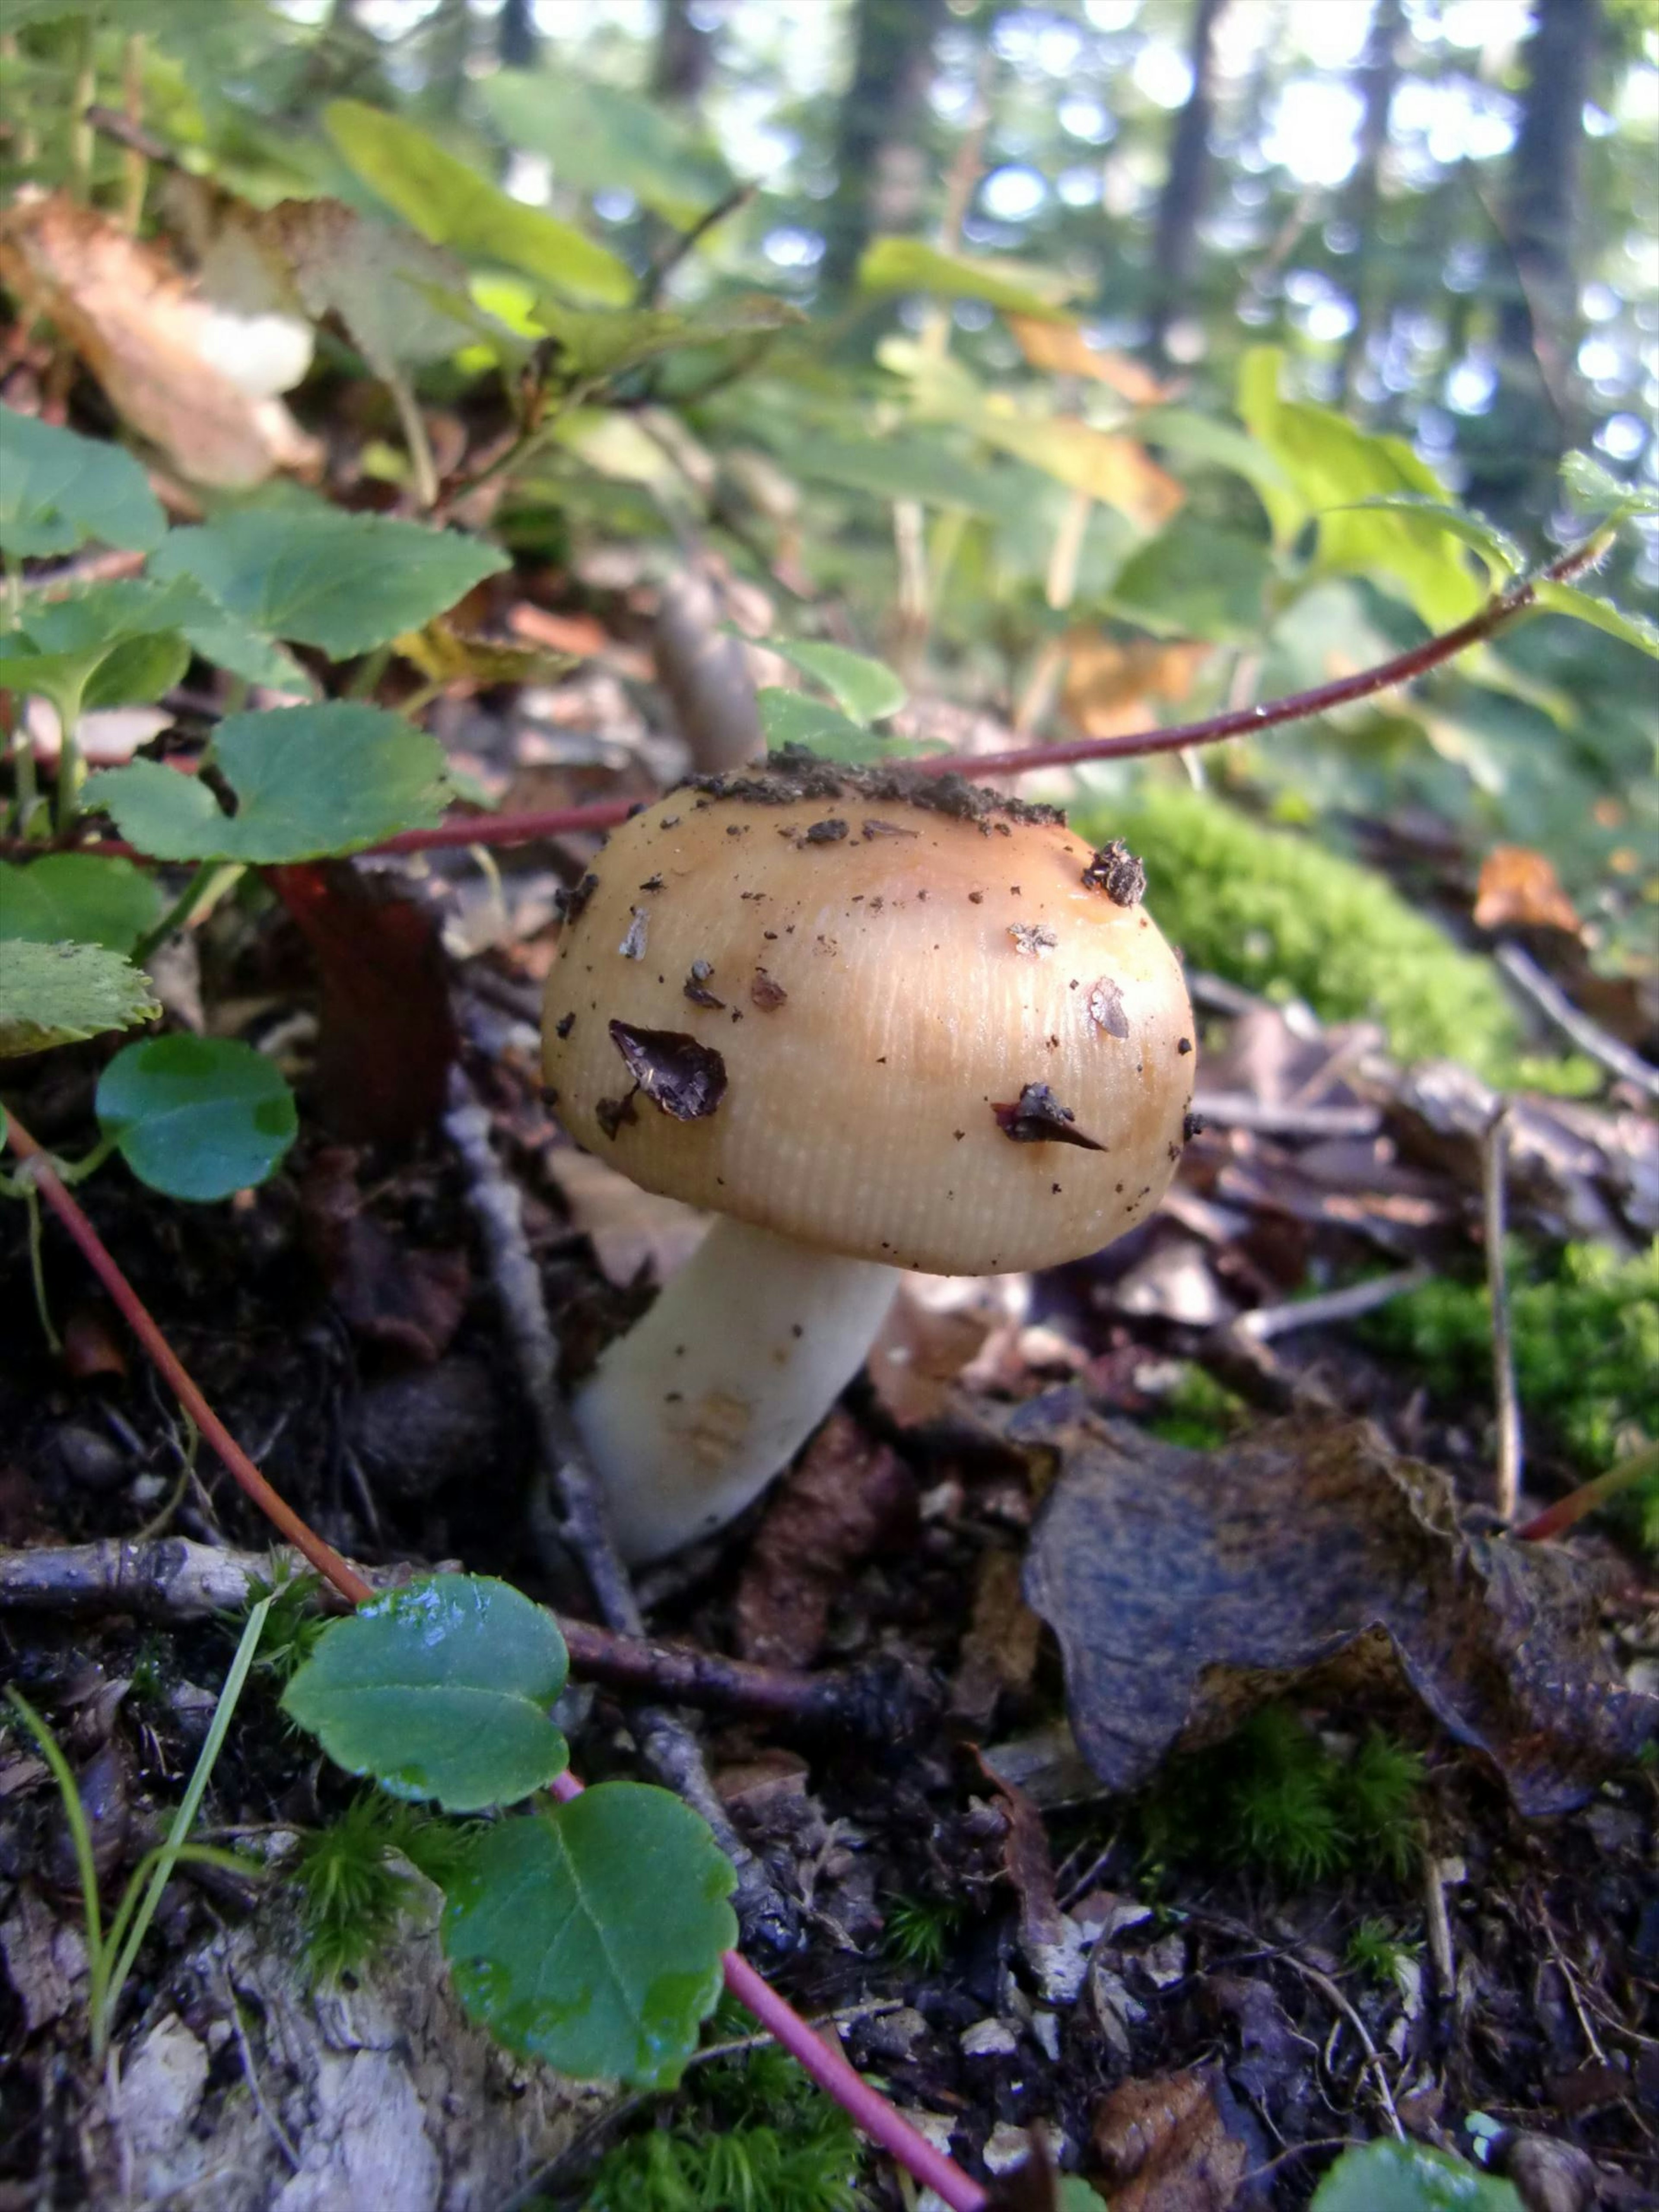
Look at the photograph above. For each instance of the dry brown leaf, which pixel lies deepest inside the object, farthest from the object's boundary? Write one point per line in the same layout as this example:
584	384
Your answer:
1520	888
629	1228
845	1497
1186	1587
1108	682
1117	470
1000	1651
1061	350
1163	2147
150	339
921	1351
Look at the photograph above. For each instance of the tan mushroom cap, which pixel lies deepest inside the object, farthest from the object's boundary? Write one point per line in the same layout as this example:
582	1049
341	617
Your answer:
874	977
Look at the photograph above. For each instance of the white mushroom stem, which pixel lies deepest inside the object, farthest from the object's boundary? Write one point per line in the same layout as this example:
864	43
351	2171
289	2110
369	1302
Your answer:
691	1414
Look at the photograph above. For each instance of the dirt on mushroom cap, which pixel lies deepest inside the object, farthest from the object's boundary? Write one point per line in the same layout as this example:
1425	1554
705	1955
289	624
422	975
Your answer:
934	962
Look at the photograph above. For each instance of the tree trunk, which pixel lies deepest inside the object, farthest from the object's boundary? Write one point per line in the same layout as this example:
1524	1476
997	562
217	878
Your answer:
1181	202
1374	81
880	173
516	42
684	57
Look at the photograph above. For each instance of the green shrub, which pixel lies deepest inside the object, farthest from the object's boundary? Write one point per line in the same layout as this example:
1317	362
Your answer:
1271	910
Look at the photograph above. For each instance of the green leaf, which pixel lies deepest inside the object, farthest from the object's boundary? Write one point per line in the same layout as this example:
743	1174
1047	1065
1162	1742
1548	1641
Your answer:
1205	438
591	1936
197	1117
110	645
1497	549
1334	466
791	718
439	1690
453	205
912	464
344	582
57	490
1585	607
1604	493
1195	580
83	896
907	264
594	344
866	689
309	781
58	994
600	138
1397	2177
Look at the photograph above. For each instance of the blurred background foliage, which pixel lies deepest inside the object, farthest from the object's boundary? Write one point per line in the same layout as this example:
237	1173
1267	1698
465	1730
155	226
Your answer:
1090	295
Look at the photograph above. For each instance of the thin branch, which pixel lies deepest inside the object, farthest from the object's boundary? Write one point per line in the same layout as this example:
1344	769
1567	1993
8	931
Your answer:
687	241
1550	1000
1557	1519
1334	1306
1494	1160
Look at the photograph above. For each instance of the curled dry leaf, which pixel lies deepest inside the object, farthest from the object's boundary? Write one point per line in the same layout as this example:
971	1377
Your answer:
1163	2146
1187	1587
1520	888
160	350
630	1230
1109	683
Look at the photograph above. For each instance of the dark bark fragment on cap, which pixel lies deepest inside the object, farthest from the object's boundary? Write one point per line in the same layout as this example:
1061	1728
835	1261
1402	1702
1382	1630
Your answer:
611	1113
1115	871
681	1078
1106	1009
568	905
696	986
767	995
632	944
1038	1118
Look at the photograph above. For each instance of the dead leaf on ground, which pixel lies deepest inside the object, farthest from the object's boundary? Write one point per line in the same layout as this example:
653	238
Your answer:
1520	888
1186	1588
846	1497
920	1353
163	353
1108	681
630	1230
1000	1651
1062	349
409	1301
1163	2147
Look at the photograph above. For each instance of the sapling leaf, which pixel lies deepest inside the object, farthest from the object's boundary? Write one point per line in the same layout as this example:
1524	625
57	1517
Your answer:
602	138
1403	2177
343	582
1602	614
908	265
865	690
80	896
309	781
439	1690
57	490
56	993
1604	493
590	1935
791	718
197	1117
1496	548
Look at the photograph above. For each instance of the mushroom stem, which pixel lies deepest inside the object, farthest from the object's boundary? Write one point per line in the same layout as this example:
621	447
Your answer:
691	1414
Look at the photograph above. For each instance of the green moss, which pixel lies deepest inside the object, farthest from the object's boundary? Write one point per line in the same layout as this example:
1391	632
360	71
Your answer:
352	1882
1279	1801
1586	1336
918	1930
1197	1411
1271	910
759	2137
1375	1950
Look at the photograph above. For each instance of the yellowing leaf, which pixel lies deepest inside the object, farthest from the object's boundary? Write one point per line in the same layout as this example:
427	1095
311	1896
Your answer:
1061	350
1115	470
443	655
1108	682
152	343
1519	888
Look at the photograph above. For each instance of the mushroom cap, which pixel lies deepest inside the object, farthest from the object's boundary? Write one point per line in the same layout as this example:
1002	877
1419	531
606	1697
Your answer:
883	1014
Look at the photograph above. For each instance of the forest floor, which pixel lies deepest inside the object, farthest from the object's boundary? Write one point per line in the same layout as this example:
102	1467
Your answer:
1200	1982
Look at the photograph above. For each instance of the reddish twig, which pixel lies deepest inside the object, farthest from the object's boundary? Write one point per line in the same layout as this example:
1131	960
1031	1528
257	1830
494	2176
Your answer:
872	2112
1556	1519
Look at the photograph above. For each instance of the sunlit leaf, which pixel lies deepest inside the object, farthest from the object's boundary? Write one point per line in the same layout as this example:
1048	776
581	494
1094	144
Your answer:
55	994
595	344
601	139
908	265
308	780
866	689
197	1117
86	896
1604	493
590	1935
441	1689
344	582
451	204
58	491
1602	614
1497	549
791	718
1195	580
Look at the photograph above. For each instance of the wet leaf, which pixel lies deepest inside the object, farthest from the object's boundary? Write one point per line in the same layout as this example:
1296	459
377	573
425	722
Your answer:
1397	2177
685	1079
440	1689
591	1936
345	582
79	896
197	1117
1186	1587
58	491
56	993
452	204
162	354
309	781
1163	2147
1604	493
1600	614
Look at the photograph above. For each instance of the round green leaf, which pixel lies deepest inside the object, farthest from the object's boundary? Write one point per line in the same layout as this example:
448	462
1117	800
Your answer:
591	1935
439	1690
84	895
197	1117
58	489
866	689
56	993
1398	2177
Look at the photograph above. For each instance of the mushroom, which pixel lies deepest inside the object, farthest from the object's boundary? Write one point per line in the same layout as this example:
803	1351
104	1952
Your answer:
884	1021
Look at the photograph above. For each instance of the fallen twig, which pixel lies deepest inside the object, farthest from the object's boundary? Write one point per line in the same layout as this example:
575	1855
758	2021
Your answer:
1494	1154
1335	1305
667	1743
1268	1117
1547	996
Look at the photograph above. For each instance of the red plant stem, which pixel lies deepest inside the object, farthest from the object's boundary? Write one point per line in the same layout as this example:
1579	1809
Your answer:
867	2108
1554	1519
